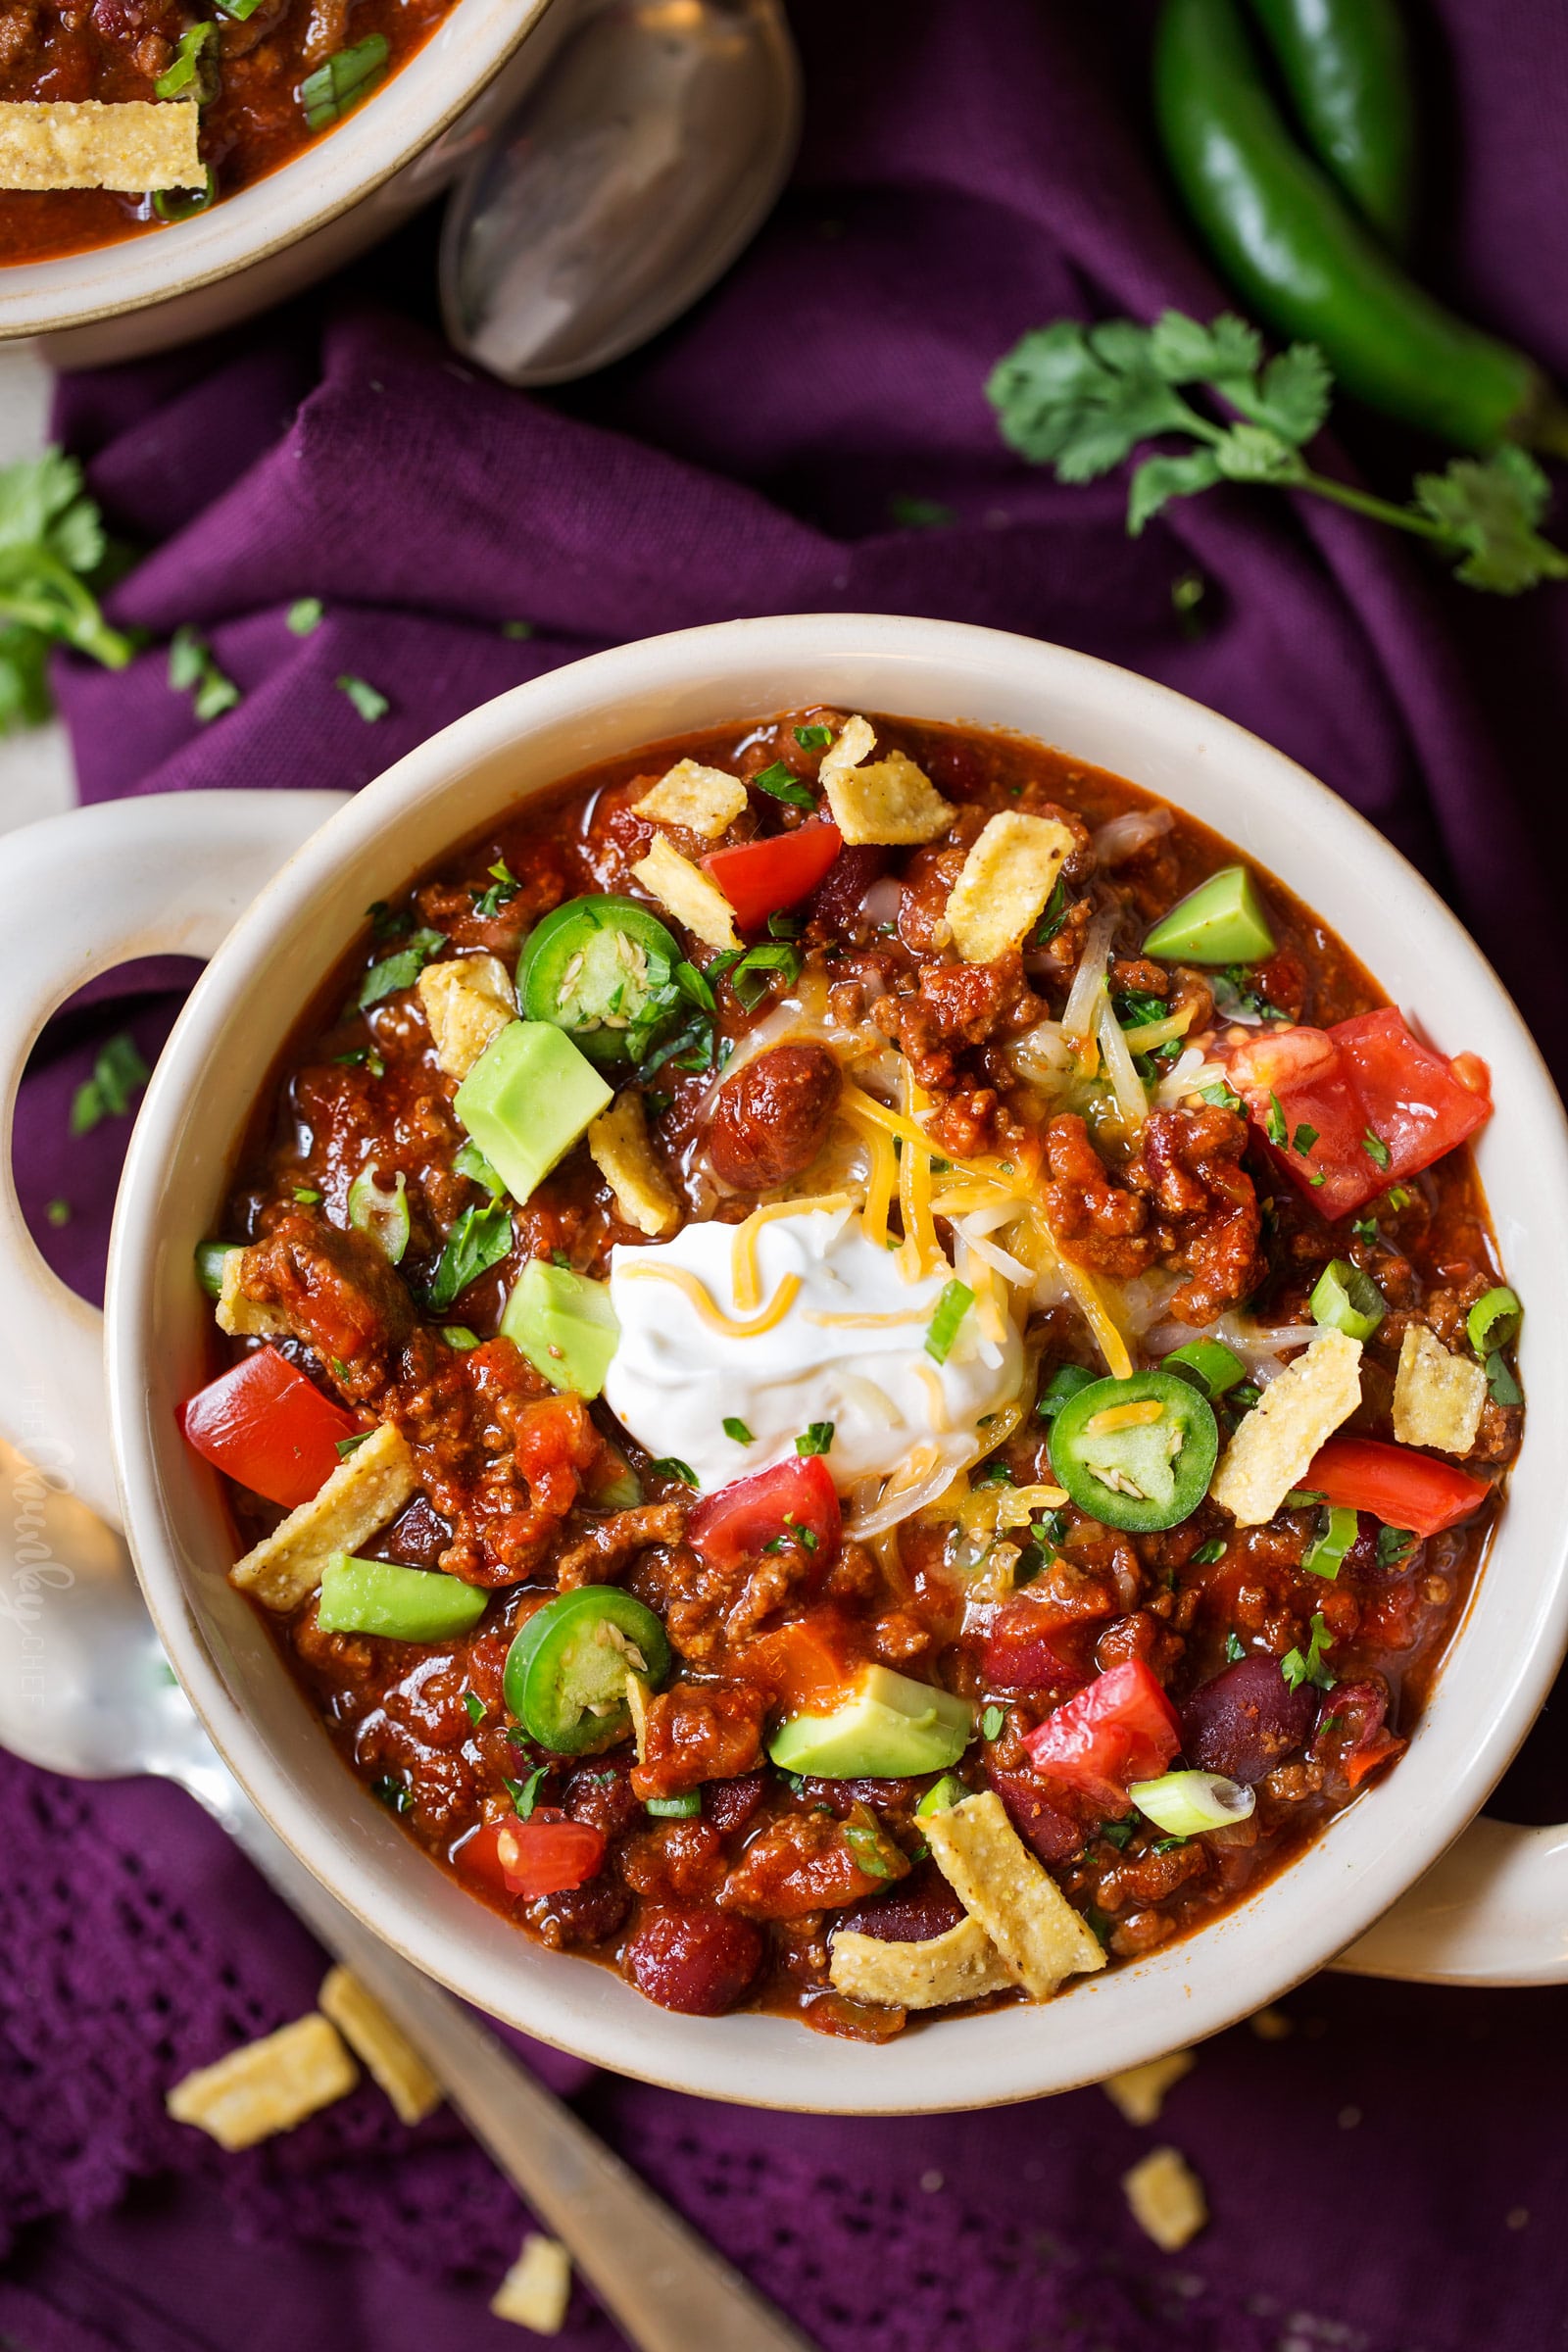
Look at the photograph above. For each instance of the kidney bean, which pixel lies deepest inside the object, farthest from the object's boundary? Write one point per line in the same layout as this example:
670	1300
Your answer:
925	1906
773	1117
1246	1721
835	902
602	1795
1027	1650
1039	1813
699	1962
729	1804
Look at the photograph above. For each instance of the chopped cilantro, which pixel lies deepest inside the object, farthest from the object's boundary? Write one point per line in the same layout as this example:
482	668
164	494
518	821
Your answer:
305	615
504	887
1376	1149
1398	1199
479	1240
1119	1833
1223	1097
737	1432
58	1213
1304	1139
194	671
993	1474
813	739
1312	1668
474	1706
367	699
1365	1230
1501	1386
1274	1126
1207	1553
399	970
468	1160
817	1438
670	1465
993	1722
769	960
344	1446
307	1195
51	545
393	1792
1167	1846
1395	1545
524	1794
783	785
366	1056
1234	1647
118	1071
519	631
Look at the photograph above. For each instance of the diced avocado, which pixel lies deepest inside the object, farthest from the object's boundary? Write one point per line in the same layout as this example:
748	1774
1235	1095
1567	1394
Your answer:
1222	921
890	1729
405	1604
527	1101
564	1325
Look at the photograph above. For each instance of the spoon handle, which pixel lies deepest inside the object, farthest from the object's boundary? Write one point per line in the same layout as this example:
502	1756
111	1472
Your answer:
665	2287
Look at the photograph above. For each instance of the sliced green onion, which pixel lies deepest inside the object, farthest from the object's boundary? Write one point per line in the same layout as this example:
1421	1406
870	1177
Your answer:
942	1329
1337	1532
943	1795
675	1808
1206	1366
1493	1321
210	1256
382	1215
1343	1299
183	203
1062	1386
337	87
182	71
1184	1804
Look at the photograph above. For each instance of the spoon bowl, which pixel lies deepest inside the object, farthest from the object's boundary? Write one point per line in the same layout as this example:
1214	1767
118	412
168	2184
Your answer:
627	181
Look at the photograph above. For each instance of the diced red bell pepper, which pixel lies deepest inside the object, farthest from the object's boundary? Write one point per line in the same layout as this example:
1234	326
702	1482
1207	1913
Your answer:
1380	1104
546	1854
1395	1484
760	877
269	1428
794	1498
1121	1729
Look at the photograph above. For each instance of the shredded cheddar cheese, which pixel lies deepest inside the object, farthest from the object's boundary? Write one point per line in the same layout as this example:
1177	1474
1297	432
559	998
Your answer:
746	1278
1124	1417
732	1327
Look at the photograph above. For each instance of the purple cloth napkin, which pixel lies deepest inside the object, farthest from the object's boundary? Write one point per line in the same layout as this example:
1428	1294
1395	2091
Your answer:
1385	2178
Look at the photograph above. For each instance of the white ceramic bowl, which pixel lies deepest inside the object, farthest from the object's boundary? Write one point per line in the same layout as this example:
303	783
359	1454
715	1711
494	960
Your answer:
337	196
182	866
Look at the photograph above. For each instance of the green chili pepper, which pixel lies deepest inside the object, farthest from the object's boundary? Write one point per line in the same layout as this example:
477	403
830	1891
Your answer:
602	969
1347	70
567	1668
1283	234
1136	1454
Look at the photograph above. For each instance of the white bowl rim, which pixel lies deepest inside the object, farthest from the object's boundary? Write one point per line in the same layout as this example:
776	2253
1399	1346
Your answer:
1497	1672
324	179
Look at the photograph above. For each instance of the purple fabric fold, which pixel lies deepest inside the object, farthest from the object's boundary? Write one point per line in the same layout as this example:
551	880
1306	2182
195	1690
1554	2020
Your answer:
1381	2179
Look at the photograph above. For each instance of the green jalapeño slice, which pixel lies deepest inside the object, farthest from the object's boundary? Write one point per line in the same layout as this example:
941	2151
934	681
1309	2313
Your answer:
1136	1454
567	1668
604	970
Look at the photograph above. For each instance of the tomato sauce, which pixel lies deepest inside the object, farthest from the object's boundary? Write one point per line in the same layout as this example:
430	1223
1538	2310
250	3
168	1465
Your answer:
730	1891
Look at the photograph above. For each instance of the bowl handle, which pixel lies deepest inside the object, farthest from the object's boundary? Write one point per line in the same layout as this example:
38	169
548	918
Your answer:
1494	1910
80	894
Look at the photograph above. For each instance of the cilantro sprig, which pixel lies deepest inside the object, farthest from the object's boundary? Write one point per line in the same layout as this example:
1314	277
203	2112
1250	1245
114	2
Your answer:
52	545
1081	399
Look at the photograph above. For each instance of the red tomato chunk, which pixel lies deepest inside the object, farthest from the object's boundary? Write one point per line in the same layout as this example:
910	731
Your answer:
1348	1111
546	1854
1121	1729
761	877
1395	1484
269	1428
796	1498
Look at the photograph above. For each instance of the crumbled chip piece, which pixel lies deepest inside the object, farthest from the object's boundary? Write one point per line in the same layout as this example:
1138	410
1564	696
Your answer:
536	2290
890	800
961	1964
242	1317
135	144
855	740
1272	2025
268	2086
1041	1938
1273	1447
637	1709
688	894
1006	880
366	1489
1139	2091
628	1163
1438	1396
382	2046
1166	2198
701	799
466	1002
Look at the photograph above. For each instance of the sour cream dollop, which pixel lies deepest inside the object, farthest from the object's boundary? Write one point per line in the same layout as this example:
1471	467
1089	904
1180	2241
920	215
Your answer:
850	1348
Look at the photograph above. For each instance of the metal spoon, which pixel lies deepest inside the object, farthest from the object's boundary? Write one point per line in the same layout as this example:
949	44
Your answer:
627	181
86	1690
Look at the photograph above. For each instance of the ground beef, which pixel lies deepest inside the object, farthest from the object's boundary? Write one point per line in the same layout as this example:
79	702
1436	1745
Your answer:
954	1006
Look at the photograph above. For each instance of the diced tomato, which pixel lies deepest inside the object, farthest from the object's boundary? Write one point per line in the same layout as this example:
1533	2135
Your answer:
796	1498
546	1854
1029	1648
807	1664
762	876
1382	1104
269	1427
1395	1484
1121	1729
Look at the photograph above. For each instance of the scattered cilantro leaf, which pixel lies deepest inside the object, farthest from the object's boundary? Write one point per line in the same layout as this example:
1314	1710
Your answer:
1207	1553
1376	1149
1501	1386
1274	1126
401	971
369	700
194	671
344	1446
911	513
1395	1545
58	1213
993	1720
783	785
503	887
52	545
1310	1668
305	615
474	1706
818	1439
118	1071
524	1794
737	1432
1234	1647
1082	399
670	1465
813	739
479	1240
